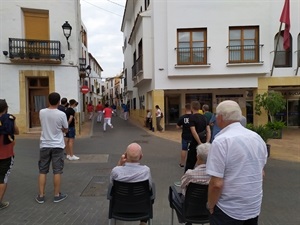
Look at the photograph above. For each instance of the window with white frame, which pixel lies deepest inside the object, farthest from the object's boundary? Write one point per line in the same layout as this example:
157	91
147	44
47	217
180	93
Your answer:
283	56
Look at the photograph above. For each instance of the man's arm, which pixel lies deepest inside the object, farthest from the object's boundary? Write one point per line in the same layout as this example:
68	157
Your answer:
208	133
214	192
195	135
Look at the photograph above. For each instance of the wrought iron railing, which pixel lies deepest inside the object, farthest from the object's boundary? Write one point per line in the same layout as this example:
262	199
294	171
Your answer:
34	49
82	64
192	55
245	53
137	66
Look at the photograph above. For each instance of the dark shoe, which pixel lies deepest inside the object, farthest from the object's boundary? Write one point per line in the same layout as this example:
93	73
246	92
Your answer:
39	199
4	205
181	165
60	198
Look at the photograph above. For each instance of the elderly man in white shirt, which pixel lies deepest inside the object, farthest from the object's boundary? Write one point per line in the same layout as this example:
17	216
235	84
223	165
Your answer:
235	162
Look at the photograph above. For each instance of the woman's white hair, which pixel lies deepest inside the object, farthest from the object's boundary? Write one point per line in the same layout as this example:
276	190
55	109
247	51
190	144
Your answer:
202	151
229	110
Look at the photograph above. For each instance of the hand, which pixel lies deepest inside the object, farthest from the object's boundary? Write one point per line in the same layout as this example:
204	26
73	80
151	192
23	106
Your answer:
122	160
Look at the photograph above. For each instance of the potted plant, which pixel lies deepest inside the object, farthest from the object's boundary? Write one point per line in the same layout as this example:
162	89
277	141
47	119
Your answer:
272	102
22	53
276	128
264	132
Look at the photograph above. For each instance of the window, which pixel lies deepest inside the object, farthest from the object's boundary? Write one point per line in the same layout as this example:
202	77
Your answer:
243	45
298	50
283	57
191	47
147	2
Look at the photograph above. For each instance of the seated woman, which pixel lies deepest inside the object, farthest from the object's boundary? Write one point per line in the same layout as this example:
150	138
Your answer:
197	175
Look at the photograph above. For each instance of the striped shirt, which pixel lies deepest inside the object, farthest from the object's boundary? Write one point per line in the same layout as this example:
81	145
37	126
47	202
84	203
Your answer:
197	175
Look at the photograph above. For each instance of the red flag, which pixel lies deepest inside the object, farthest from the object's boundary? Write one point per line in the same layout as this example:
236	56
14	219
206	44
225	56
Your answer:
285	18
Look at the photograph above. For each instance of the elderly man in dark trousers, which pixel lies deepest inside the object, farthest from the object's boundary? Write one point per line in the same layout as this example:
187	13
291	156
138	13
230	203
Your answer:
235	163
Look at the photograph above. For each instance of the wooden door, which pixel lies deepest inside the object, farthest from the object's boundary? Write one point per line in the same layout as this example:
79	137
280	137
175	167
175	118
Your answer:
38	99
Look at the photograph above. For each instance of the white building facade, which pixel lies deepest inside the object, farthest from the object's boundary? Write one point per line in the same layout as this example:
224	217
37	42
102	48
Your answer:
37	58
179	51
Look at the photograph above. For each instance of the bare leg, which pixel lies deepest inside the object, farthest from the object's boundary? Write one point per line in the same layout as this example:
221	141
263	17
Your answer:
56	182
42	184
182	157
2	191
67	148
70	146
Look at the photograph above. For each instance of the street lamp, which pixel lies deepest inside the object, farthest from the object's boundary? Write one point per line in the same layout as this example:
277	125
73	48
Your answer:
67	32
88	70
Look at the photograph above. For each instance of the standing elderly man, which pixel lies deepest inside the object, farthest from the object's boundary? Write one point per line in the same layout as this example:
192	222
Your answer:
235	162
130	170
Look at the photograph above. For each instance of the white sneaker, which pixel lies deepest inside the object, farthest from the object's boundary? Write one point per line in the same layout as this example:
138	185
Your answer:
68	156
74	157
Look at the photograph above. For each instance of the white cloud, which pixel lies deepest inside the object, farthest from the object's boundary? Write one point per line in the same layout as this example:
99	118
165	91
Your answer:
105	39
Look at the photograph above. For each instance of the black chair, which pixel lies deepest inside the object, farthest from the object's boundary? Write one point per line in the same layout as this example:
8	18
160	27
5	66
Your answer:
192	207
131	201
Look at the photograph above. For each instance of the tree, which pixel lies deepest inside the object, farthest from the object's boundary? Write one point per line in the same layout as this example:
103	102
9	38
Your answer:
272	102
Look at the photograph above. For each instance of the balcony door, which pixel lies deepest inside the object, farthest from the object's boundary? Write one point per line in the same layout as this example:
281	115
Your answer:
36	24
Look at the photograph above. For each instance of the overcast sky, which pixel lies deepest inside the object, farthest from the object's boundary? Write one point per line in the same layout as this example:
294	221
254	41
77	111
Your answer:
103	19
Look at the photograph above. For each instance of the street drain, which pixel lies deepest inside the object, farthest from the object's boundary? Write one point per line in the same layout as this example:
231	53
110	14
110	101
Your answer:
96	187
141	141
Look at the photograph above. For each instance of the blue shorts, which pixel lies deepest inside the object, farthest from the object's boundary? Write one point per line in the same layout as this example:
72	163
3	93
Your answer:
185	144
5	167
71	132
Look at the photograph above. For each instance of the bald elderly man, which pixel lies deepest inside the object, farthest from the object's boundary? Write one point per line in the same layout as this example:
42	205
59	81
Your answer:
129	168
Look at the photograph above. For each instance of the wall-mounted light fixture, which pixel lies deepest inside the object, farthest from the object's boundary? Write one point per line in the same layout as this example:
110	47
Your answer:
67	29
62	56
5	53
88	70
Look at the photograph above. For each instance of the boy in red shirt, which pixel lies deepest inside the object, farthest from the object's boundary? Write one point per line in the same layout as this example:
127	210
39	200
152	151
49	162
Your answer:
107	112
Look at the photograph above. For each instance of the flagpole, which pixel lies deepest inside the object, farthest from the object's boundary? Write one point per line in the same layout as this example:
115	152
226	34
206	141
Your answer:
276	47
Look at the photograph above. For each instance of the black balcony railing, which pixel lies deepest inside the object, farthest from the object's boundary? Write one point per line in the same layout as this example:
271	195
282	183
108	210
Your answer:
82	64
34	49
245	53
137	66
192	55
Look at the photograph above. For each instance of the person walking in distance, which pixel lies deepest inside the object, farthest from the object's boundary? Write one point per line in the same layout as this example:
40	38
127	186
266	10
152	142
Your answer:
54	123
186	135
70	135
235	163
90	109
99	109
198	125
8	129
107	112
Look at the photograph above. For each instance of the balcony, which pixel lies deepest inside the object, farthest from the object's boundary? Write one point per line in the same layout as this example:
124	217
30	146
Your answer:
82	67
29	50
192	55
245	54
137	67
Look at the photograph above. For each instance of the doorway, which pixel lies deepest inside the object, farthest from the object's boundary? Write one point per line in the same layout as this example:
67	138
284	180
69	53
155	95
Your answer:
38	90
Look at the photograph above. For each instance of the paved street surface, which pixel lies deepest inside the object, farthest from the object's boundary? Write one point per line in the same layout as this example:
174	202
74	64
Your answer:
86	180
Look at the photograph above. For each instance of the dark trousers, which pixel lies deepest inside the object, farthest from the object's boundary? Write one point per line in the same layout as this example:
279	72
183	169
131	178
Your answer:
191	158
220	218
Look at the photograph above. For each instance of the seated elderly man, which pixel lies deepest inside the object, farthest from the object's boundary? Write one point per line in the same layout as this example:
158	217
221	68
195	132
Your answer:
197	175
129	168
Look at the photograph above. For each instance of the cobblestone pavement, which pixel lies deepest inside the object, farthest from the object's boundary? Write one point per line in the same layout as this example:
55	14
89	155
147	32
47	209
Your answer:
86	180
